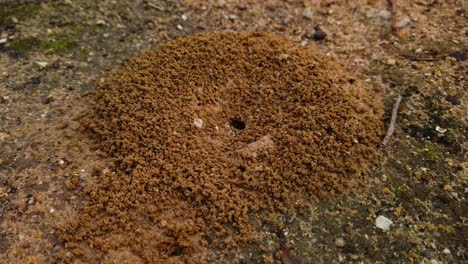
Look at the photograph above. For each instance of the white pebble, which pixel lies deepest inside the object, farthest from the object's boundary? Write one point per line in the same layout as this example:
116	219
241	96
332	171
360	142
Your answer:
198	122
403	23
383	222
339	242
440	130
307	13
184	17
446	251
41	64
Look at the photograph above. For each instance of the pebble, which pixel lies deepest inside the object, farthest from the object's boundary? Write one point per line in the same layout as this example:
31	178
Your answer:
179	27
198	122
184	17
319	34
391	62
453	99
3	40
14	20
383	222
440	130
339	242
100	22
307	13
385	14
41	64
404	22
458	55
232	17
446	251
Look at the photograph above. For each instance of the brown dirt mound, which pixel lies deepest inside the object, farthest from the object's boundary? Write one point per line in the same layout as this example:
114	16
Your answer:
213	133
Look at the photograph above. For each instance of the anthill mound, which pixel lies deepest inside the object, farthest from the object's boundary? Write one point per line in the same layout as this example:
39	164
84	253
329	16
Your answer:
214	133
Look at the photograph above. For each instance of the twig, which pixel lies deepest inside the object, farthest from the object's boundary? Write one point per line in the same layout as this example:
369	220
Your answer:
394	15
391	128
414	58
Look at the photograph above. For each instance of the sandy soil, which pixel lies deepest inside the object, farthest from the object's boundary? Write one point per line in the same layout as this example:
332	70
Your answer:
52	53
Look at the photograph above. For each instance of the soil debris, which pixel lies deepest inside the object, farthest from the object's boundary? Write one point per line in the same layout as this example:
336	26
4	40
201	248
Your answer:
277	135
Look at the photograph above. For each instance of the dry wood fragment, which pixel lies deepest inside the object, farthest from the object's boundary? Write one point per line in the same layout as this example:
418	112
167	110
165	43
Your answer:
394	15
391	128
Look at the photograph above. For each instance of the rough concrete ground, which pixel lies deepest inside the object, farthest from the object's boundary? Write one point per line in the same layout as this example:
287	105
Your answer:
52	52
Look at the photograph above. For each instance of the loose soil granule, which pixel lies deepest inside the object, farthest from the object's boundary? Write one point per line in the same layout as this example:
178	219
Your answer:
213	135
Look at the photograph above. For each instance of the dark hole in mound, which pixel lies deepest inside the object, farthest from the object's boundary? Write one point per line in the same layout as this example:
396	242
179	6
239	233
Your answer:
237	123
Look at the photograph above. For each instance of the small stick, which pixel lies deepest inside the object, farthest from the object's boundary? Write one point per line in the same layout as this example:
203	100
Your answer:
391	128
394	15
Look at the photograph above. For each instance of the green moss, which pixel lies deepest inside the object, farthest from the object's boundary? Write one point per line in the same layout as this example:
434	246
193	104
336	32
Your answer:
402	192
22	46
60	43
21	12
83	52
433	154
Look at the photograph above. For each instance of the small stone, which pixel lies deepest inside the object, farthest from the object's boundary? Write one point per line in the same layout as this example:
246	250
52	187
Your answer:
232	17
14	20
426	254
339	242
458	55
3	40
419	50
179	27
383	222
41	64
52	210
440	130
307	13
391	62
385	14
433	261
319	34
446	251
284	56
447	188
403	23
184	17
198	122
453	99
100	22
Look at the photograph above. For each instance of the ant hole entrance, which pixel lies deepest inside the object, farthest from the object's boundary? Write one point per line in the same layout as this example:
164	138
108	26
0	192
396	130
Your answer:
237	123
